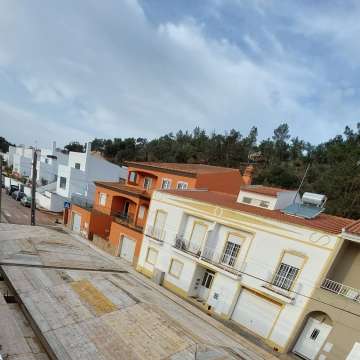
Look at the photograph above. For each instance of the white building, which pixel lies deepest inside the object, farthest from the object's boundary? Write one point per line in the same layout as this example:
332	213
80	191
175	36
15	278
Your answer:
243	258
48	163
21	159
77	178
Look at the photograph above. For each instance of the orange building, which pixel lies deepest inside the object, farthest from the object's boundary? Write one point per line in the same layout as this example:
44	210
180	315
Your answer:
116	220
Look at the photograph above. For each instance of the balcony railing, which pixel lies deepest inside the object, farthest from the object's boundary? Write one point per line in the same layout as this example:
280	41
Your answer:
187	246
81	201
341	289
155	233
127	219
224	261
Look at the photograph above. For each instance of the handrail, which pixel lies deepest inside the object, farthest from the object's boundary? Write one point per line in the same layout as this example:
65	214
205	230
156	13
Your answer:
155	233
341	289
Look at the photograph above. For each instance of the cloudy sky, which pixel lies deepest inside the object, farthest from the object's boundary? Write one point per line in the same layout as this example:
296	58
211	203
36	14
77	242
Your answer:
74	70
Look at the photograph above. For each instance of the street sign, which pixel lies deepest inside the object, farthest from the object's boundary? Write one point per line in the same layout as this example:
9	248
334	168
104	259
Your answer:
67	205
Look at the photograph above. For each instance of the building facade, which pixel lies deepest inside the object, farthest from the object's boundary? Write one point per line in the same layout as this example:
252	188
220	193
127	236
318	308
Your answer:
119	211
241	257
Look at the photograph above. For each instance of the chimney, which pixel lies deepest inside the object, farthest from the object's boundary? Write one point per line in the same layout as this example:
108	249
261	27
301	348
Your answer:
54	148
248	174
88	148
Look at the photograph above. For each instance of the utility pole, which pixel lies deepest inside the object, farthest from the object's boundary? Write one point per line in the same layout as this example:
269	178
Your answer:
1	164
33	188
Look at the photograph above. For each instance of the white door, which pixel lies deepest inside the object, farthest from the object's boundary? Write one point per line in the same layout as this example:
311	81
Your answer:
76	222
255	313
127	249
312	339
205	285
354	353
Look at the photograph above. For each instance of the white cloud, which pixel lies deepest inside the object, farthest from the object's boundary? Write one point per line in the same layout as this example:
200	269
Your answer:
103	69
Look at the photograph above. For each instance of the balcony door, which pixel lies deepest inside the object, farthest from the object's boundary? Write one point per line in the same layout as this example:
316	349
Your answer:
312	339
126	208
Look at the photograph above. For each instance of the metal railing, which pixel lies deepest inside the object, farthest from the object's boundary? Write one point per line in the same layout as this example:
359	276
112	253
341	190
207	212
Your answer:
127	219
81	201
224	261
187	246
341	289
155	233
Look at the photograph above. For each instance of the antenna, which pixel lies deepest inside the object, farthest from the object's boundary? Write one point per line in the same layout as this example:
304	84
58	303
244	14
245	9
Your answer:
302	182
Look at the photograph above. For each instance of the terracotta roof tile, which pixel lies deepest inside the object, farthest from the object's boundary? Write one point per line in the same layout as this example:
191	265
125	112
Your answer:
353	228
264	190
193	169
323	222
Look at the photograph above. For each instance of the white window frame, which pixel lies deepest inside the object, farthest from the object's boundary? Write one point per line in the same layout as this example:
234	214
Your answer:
231	253
135	176
285	276
63	187
182	185
141	213
77	164
102	199
168	182
181	264
147	255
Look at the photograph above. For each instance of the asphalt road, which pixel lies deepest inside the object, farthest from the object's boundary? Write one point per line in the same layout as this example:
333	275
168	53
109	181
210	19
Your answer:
14	213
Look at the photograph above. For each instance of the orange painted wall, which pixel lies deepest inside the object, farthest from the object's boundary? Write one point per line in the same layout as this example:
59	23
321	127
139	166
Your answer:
116	233
158	177
227	182
100	224
85	218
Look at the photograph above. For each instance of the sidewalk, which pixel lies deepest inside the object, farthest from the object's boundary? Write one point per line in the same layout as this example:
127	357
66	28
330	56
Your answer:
179	301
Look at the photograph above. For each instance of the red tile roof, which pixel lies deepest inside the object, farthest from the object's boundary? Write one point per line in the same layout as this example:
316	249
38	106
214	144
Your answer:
123	188
353	228
323	222
190	169
264	190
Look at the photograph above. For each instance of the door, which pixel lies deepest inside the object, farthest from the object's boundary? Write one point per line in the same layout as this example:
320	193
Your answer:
76	222
255	313
312	339
126	208
206	283
127	249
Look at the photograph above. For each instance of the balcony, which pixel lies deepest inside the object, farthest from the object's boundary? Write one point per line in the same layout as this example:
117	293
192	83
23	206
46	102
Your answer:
127	219
155	233
222	260
341	289
81	201
186	246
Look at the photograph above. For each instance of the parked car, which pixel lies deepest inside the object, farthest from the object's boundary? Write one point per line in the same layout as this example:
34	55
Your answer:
26	201
11	189
18	195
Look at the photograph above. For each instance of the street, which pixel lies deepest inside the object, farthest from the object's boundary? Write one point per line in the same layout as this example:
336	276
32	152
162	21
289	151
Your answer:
14	213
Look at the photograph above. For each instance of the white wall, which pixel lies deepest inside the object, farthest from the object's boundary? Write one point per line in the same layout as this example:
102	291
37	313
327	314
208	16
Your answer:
265	241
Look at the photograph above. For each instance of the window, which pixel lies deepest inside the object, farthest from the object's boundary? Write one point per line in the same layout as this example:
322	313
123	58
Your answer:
197	236
77	166
232	250
176	267
166	184
46	161
151	256
62	182
264	204
246	200
208	279
147	183
141	212
315	333
132	176
288	271
158	229
102	199
181	185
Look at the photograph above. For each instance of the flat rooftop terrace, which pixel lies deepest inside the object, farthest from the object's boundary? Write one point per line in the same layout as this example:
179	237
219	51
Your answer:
83	305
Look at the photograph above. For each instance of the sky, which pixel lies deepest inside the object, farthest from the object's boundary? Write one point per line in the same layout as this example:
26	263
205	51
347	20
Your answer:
75	70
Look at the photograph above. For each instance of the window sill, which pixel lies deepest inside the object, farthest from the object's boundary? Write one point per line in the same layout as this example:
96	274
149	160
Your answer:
282	294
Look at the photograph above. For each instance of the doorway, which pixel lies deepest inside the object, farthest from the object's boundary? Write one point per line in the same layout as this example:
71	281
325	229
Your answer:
205	286
312	338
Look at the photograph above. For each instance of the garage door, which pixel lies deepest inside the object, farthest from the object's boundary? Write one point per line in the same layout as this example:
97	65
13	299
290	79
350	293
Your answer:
76	222
127	249
255	313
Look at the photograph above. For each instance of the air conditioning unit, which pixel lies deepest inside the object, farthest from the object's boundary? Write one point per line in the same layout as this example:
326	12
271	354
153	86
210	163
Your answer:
313	199
158	276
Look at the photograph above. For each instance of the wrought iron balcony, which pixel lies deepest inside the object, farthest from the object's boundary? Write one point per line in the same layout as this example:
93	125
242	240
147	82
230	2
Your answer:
127	219
186	246
155	233
222	260
341	289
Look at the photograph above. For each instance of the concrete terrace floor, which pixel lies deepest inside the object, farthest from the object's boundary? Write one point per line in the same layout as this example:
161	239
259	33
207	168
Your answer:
84	305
